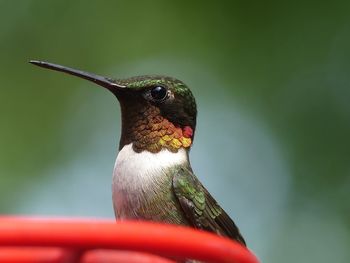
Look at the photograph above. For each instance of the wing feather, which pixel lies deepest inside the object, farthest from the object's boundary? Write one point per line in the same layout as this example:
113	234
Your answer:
200	207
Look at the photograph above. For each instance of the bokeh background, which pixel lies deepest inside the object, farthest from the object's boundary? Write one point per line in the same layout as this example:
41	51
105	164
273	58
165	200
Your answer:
272	86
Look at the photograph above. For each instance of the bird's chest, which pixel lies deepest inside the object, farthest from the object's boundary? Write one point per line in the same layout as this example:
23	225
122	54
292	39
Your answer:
142	182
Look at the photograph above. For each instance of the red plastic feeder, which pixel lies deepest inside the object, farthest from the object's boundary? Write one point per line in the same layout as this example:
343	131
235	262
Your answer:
32	240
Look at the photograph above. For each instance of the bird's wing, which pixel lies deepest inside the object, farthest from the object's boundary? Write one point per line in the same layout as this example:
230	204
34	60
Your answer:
200	207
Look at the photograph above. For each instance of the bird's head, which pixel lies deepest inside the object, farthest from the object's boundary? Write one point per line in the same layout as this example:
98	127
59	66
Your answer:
158	112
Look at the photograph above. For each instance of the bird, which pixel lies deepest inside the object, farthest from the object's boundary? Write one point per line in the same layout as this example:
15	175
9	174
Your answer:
152	177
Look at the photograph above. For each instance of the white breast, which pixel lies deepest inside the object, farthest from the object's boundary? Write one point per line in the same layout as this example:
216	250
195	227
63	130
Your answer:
138	173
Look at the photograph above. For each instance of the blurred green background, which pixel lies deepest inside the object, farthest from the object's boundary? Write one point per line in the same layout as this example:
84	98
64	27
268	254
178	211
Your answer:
272	86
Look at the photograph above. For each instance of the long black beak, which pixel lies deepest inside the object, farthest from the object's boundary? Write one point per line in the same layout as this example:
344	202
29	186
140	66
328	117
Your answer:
100	80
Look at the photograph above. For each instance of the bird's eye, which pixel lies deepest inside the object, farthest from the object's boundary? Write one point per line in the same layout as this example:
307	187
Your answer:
159	93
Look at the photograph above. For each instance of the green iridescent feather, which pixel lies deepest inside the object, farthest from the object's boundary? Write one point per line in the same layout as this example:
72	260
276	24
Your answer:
200	207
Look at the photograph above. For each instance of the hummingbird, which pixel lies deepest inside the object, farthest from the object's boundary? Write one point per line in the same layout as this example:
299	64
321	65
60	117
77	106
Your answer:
152	178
